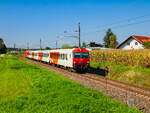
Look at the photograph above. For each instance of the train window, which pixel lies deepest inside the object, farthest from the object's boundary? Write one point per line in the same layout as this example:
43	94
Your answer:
54	56
70	55
45	55
85	55
77	55
81	55
51	55
60	56
63	56
57	55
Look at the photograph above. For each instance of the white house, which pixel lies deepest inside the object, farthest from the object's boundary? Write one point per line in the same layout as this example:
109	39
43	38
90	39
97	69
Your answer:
134	42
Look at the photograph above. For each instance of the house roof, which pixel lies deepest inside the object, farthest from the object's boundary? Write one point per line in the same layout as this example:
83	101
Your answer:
141	39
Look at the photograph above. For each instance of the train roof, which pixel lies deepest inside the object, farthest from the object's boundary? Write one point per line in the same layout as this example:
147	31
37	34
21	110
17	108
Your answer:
70	50
74	50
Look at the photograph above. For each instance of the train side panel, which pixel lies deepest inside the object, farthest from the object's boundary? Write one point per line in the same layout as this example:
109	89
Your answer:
46	56
77	59
61	57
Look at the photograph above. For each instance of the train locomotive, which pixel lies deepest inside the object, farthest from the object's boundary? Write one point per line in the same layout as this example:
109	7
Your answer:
76	59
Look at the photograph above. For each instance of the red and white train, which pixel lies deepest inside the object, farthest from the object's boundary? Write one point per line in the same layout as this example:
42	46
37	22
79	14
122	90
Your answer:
76	59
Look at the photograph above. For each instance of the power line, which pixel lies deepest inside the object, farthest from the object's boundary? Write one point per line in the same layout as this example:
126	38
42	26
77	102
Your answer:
127	20
130	24
103	27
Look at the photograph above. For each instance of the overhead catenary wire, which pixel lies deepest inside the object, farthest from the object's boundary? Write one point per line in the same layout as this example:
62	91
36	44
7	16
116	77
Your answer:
126	20
119	24
129	24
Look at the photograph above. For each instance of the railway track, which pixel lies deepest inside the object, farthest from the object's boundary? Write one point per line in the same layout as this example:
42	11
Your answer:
134	88
133	95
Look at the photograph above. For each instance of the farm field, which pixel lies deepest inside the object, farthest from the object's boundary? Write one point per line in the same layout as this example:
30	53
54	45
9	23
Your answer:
123	65
27	88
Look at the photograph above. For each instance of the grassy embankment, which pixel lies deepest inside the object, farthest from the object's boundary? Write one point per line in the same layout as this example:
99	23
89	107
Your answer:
27	88
128	66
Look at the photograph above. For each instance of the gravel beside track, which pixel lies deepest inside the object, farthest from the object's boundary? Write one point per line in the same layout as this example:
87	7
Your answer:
130	94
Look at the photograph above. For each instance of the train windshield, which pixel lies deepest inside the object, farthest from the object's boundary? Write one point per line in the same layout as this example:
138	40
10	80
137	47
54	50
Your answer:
81	55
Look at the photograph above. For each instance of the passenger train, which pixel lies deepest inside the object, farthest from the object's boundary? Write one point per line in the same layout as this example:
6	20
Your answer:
76	59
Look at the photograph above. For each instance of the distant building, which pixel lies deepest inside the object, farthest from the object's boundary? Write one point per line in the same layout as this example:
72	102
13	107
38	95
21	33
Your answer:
134	42
94	44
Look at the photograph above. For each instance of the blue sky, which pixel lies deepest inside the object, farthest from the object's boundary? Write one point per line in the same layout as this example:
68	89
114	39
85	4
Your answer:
23	21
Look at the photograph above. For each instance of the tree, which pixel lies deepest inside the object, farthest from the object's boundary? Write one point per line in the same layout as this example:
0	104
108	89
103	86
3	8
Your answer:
74	47
113	41
107	38
65	46
3	48
83	45
47	48
146	45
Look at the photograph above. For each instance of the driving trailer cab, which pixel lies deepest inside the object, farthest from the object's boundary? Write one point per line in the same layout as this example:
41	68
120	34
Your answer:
81	59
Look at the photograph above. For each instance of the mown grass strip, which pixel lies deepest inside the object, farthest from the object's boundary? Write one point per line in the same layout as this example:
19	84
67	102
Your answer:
48	92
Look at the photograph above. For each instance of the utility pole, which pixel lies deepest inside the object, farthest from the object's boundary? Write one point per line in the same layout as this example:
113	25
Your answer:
40	44
56	44
28	45
79	35
14	46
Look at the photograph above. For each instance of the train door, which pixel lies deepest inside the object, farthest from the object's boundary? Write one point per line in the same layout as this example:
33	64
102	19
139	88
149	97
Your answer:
66	59
32	55
69	60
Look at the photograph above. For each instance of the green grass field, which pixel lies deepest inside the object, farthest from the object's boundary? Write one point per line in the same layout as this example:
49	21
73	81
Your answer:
134	75
27	88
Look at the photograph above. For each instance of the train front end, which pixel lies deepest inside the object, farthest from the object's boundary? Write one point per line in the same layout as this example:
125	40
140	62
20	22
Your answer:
81	59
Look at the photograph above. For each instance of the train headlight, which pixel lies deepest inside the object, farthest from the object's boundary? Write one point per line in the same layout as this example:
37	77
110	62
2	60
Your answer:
74	62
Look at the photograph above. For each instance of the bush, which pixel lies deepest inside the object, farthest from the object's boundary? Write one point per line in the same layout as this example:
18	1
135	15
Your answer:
146	45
